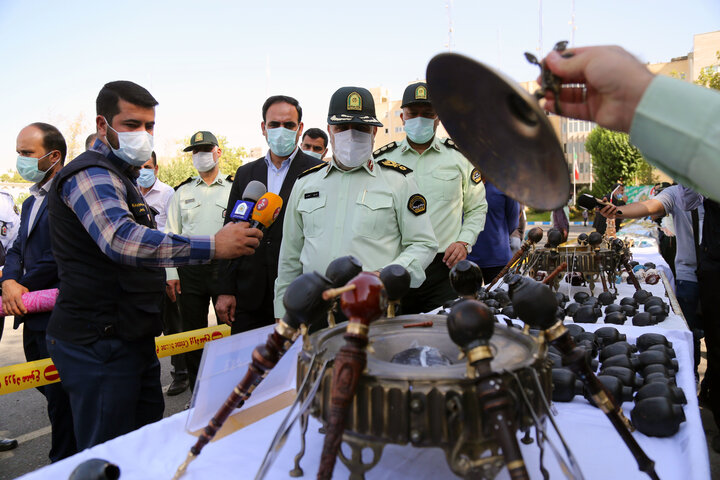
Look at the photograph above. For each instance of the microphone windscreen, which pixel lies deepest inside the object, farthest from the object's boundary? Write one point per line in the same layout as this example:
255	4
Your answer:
254	191
267	209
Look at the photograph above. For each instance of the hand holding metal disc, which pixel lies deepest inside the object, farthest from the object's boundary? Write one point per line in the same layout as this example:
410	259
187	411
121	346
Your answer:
501	129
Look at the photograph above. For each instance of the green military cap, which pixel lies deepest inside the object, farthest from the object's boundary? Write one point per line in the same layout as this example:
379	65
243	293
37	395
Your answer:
416	93
201	138
352	105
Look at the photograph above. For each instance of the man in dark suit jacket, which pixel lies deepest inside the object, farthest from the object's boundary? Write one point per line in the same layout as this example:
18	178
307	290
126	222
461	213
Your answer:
246	286
30	266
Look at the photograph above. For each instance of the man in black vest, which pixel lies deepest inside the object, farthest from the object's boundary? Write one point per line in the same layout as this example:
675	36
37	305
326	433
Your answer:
101	333
247	286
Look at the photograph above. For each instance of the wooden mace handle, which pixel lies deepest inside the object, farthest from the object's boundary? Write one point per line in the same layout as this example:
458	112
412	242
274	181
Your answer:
350	362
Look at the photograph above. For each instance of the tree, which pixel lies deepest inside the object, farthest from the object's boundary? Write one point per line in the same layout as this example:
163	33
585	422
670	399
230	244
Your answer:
180	166
710	76
613	157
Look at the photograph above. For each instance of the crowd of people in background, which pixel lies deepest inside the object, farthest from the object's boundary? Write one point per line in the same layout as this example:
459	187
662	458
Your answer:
134	258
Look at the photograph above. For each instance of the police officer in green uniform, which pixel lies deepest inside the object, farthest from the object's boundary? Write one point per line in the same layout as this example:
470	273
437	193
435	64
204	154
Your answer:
197	208
453	188
354	205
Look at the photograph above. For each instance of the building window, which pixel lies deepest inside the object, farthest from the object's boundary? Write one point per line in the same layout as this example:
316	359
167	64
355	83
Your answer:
398	112
398	129
387	130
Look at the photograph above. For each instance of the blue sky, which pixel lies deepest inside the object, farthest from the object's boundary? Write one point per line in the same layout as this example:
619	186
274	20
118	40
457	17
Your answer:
211	63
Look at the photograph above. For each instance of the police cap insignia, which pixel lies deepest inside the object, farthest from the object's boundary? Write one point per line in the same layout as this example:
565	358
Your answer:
417	204
421	93
475	175
394	166
199	137
354	101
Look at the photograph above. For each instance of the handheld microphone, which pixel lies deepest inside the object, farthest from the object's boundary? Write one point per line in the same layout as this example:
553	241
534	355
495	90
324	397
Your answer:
589	202
243	209
266	211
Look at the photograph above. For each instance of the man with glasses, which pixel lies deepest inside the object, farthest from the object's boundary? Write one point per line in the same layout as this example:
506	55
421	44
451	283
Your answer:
355	205
246	286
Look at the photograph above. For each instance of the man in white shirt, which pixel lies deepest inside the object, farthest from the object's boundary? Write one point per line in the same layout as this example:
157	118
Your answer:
156	193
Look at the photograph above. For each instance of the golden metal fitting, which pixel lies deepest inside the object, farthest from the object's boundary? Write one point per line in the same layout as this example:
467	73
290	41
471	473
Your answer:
515	464
603	401
479	353
356	328
555	331
285	330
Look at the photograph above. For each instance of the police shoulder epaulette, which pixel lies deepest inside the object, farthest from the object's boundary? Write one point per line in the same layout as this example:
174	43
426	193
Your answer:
312	169
188	180
394	166
450	143
385	149
230	178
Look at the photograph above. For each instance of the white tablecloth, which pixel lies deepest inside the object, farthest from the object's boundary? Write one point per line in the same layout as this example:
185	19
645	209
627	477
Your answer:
155	451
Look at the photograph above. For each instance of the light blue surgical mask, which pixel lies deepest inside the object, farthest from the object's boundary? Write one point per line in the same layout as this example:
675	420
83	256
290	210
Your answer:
27	167
281	141
146	178
313	154
420	129
134	147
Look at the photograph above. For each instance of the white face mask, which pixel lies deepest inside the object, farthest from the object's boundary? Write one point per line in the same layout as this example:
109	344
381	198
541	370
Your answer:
203	161
135	147
352	147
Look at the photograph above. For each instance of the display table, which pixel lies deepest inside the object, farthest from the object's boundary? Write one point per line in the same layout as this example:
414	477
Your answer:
156	450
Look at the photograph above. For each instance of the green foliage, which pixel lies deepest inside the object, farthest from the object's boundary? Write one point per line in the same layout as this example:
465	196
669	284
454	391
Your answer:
710	76
21	198
613	157
645	175
180	166
12	176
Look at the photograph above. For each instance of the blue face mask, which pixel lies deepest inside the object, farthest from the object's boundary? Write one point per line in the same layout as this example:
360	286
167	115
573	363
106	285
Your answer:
281	140
420	129
146	178
313	154
27	167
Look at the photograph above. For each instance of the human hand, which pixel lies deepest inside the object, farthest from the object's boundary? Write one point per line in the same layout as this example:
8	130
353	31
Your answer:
225	308
608	211
12	303
615	81
236	240
454	253
172	288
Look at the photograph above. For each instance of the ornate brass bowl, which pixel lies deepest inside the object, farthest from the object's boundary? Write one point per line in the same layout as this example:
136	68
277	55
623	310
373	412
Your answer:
428	406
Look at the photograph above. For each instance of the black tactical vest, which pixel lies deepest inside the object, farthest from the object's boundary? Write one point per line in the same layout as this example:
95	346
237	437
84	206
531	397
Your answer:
99	297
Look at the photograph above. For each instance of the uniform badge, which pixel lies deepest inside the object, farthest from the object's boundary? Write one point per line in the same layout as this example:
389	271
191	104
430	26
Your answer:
370	165
475	176
417	204
354	101
394	166
223	213
3	229
16	209
312	195
421	93
199	137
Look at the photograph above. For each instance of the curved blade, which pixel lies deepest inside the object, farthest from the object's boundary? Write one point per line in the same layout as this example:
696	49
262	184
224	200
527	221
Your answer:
289	420
501	129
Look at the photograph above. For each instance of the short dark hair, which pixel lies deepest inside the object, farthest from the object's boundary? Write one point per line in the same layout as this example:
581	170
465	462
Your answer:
154	158
90	141
52	139
281	99
316	133
107	100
